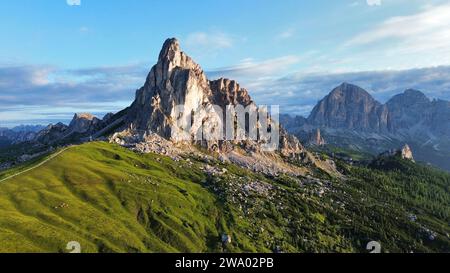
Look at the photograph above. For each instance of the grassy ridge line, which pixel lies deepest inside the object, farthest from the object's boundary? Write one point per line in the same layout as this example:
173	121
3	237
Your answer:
37	166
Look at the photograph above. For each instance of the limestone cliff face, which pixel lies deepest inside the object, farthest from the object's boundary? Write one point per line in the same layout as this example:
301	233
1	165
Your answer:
412	114
351	107
316	138
84	123
177	80
406	153
226	92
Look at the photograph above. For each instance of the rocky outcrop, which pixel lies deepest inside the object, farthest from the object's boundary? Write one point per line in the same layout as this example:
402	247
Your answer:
316	138
83	123
349	117
229	92
52	133
176	80
290	146
405	153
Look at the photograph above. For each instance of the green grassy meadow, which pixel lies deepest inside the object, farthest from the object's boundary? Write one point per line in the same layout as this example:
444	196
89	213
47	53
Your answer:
110	199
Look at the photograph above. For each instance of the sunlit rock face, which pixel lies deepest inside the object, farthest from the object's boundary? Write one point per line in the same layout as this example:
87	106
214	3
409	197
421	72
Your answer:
177	81
84	123
316	138
226	92
406	153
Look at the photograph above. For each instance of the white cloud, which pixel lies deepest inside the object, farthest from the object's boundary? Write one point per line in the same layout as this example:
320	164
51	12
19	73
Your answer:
374	2
213	40
28	96
43	94
73	2
84	29
288	33
430	22
250	68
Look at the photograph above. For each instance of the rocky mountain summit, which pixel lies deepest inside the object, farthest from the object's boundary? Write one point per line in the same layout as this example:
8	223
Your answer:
84	123
176	105
176	80
316	138
350	117
351	107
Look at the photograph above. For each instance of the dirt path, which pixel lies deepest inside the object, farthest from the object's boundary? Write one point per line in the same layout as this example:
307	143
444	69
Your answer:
37	166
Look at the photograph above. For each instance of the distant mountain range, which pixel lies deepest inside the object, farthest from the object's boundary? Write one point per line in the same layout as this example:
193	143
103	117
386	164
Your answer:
18	134
350	117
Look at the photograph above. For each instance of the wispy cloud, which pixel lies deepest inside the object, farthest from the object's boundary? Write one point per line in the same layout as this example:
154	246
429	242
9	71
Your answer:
41	94
73	2
211	40
33	92
433	22
299	92
373	2
254	69
286	34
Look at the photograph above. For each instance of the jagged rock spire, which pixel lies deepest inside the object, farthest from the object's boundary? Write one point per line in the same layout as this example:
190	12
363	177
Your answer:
170	48
406	153
316	138
177	80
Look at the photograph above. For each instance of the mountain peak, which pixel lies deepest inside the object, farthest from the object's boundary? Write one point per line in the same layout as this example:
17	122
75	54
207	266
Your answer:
346	85
349	106
83	122
408	98
87	116
348	88
413	93
170	48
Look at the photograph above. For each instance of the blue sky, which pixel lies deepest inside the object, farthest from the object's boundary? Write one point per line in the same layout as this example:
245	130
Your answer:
58	57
